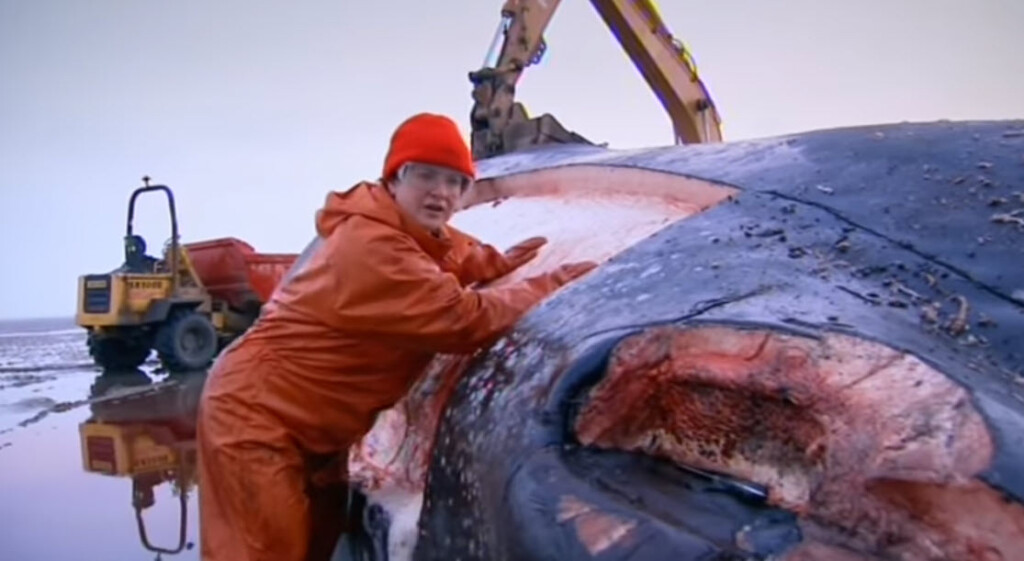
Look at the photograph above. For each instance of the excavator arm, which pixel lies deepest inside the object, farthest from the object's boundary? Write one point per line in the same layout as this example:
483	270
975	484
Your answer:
501	125
666	65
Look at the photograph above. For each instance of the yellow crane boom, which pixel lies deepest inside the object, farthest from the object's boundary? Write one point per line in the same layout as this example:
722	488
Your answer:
501	125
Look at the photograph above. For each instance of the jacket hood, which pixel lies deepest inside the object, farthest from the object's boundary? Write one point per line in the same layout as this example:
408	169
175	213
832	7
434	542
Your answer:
369	200
372	201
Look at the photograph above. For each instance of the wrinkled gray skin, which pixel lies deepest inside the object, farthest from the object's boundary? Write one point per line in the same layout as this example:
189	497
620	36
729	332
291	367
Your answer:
826	223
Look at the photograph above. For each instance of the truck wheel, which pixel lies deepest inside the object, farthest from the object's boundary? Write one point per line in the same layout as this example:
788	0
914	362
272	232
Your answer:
115	354
187	342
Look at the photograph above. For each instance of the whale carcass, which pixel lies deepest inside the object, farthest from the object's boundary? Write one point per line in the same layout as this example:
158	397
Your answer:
805	347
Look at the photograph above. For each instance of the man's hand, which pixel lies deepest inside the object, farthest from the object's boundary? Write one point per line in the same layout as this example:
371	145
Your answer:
524	252
571	271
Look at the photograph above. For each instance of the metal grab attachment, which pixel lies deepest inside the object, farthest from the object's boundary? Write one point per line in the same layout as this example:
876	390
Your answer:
142	499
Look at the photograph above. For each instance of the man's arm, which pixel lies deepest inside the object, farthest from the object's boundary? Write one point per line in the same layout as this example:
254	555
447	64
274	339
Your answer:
485	263
387	287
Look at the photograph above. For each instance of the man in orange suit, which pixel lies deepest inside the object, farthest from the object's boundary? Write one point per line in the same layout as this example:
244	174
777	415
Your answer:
385	286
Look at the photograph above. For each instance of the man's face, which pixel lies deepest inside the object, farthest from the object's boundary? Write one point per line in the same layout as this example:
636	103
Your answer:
429	194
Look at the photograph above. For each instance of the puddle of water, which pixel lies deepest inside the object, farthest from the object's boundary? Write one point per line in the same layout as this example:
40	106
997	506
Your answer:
51	507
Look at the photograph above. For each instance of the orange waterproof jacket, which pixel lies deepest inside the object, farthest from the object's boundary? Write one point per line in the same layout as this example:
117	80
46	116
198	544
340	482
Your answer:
360	316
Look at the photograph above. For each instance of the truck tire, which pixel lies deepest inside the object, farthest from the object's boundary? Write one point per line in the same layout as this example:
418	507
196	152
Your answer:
117	354
187	342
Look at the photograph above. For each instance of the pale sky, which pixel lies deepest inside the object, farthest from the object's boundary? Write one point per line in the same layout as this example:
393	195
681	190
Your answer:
253	110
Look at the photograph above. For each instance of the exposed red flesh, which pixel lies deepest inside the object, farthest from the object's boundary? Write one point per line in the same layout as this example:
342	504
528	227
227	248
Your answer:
874	447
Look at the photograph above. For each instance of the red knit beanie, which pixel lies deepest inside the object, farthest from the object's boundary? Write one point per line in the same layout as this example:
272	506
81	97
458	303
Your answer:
430	139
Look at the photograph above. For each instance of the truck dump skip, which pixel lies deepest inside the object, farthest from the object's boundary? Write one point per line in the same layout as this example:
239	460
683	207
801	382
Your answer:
231	270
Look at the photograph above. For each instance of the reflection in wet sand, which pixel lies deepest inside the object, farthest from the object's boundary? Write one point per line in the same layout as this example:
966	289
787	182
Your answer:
146	433
51	507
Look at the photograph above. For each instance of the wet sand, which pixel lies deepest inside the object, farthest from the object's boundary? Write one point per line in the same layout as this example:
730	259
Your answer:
51	508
